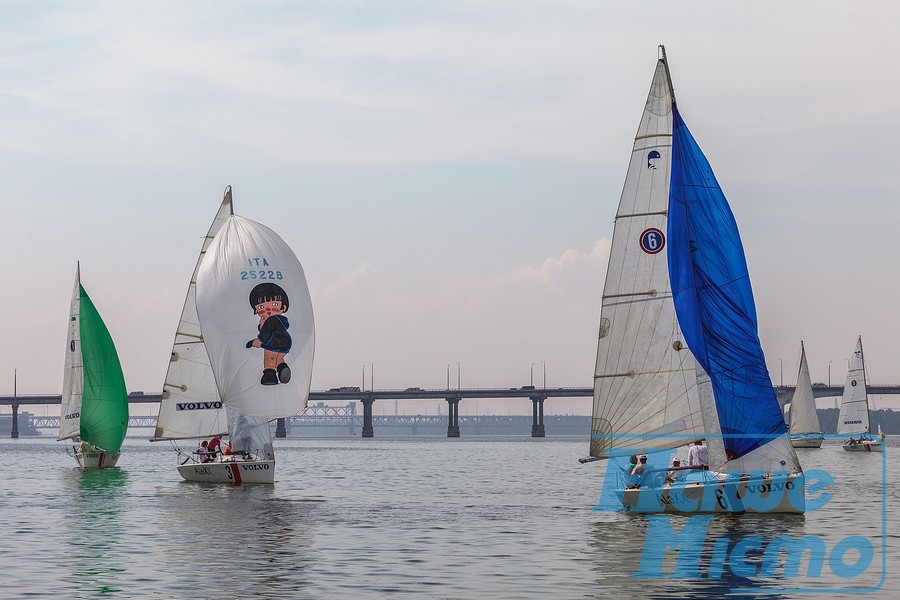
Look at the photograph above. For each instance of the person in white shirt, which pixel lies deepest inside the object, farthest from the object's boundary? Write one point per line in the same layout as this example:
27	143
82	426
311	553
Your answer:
673	473
699	455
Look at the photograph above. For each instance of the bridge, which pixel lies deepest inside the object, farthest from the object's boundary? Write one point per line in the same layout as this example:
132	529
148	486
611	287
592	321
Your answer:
351	395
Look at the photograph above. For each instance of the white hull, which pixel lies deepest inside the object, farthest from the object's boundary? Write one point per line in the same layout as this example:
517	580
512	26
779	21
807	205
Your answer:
811	440
97	460
864	446
234	472
709	492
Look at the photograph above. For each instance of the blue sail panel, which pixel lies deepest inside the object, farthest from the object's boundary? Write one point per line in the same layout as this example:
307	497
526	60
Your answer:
714	300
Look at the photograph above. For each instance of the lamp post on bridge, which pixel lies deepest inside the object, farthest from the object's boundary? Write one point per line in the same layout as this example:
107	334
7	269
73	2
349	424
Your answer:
544	366
531	380
829	372
781	363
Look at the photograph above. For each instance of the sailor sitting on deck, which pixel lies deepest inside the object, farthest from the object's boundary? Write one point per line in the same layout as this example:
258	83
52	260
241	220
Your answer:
637	473
674	473
202	452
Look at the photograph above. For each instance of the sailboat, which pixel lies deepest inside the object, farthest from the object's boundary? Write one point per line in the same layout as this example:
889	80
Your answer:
806	432
678	357
854	415
219	383
94	405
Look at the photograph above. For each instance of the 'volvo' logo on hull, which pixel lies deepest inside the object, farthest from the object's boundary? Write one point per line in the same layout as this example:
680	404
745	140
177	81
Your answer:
263	467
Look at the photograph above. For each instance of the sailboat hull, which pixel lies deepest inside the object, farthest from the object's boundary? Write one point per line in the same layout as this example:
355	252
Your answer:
713	493
864	446
807	441
97	460
235	472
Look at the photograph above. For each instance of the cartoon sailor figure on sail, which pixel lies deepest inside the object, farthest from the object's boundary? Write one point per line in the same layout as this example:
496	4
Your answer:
269	301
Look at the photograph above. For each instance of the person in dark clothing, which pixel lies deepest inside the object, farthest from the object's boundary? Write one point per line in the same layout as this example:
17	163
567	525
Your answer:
270	302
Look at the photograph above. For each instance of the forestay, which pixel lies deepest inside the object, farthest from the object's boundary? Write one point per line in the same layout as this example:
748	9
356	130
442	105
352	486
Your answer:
190	406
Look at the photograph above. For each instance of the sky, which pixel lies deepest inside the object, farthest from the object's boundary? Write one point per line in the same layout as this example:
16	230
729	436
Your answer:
446	171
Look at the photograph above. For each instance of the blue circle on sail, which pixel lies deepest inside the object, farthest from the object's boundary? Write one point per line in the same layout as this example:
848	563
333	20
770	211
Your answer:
652	240
853	382
72	345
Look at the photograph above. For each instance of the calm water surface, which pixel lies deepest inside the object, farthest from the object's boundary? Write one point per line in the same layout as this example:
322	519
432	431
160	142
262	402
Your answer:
415	517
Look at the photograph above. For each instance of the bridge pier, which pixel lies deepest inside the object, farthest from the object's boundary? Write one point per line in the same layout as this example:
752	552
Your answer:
280	429
14	430
367	429
453	417
537	419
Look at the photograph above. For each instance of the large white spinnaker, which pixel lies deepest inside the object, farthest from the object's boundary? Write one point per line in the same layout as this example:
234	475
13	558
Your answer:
190	406
250	272
645	391
73	378
854	416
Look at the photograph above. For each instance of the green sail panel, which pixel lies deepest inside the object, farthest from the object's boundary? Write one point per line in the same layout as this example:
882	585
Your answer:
104	405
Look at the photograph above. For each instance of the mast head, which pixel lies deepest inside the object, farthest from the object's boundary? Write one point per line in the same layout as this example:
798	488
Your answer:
227	200
665	62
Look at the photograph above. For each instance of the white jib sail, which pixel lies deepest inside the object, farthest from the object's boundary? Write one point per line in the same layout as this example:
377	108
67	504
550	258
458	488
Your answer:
854	417
190	406
804	418
645	392
73	371
255	311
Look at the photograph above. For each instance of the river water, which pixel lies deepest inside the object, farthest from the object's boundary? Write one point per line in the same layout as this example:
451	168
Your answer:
415	517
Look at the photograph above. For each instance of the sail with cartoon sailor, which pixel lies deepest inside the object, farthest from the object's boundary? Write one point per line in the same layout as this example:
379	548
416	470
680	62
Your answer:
245	283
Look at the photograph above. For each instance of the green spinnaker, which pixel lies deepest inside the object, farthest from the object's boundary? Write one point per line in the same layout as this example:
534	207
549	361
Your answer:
104	405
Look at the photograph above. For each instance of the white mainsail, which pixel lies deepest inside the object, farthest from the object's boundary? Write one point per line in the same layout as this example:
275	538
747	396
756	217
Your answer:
73	378
190	406
804	418
854	416
246	263
645	384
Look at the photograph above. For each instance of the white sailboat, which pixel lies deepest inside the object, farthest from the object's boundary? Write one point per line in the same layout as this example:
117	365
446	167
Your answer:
854	415
213	385
94	405
806	432
678	356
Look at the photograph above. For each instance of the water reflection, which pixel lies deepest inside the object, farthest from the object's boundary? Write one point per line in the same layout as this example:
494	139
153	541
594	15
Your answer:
256	542
93	529
716	555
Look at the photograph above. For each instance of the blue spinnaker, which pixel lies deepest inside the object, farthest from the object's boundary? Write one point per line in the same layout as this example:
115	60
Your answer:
714	300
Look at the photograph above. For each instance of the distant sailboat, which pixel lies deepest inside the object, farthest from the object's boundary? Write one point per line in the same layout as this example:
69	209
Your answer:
806	432
854	415
94	406
220	383
678	357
